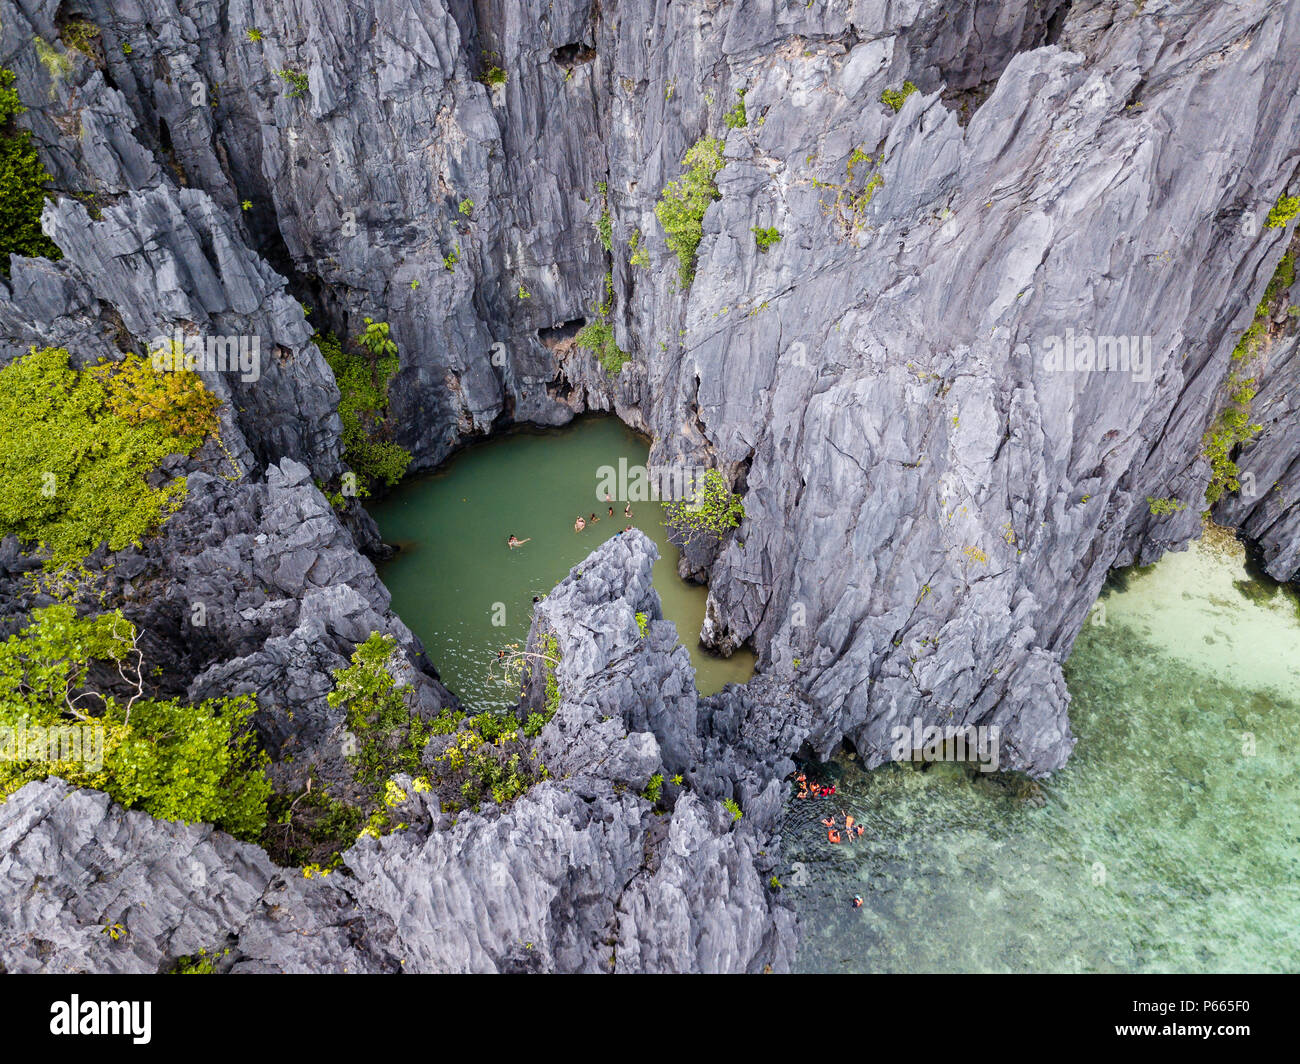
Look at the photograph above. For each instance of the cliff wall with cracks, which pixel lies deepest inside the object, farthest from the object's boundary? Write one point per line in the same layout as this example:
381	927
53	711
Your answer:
931	505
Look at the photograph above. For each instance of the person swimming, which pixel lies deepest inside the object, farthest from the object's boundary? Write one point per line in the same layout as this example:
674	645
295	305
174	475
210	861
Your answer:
516	542
833	835
828	821
848	820
594	519
611	510
627	510
857	901
579	524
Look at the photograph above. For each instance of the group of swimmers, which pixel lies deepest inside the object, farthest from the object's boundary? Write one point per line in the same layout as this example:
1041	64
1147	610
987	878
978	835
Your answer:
513	541
582	522
851	830
812	789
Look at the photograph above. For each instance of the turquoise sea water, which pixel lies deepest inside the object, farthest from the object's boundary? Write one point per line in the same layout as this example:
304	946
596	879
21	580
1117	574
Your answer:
1170	842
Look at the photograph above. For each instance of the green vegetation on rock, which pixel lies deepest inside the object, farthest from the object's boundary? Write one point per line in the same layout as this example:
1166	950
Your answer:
1287	207
173	759
363	373
714	510
598	336
77	447
681	207
22	184
895	98
736	117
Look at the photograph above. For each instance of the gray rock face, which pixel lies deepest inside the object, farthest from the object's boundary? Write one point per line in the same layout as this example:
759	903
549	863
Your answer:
582	873
932	499
72	864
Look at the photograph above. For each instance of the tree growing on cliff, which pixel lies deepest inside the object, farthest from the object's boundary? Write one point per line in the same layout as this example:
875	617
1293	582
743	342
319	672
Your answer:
176	760
713	511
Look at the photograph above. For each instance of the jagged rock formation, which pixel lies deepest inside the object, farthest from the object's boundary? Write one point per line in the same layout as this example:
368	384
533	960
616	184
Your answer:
931	507
582	873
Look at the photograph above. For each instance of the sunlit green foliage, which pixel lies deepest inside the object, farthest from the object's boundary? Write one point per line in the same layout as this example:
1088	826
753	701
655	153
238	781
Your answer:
173	759
681	207
714	510
895	98
76	448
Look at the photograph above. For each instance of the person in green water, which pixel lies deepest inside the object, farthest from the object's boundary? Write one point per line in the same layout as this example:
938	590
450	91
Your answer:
516	542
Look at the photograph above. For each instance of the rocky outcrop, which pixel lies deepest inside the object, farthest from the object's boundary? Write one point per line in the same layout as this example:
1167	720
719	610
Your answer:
931	509
584	872
91	888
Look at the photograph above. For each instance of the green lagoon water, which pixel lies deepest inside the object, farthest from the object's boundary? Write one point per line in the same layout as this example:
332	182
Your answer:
455	575
1170	842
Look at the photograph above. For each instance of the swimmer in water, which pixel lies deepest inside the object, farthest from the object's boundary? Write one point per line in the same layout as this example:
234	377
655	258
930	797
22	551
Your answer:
515	542
611	510
627	510
579	524
594	519
857	901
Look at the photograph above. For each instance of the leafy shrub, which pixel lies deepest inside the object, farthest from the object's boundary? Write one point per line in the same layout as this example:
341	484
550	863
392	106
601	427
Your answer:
638	254
654	787
390	739
175	760
363	375
714	510
22	184
606	230
894	98
1164	507
736	117
297	82
80	33
493	75
76	449
682	205
598	338
1287	208
765	238
729	804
